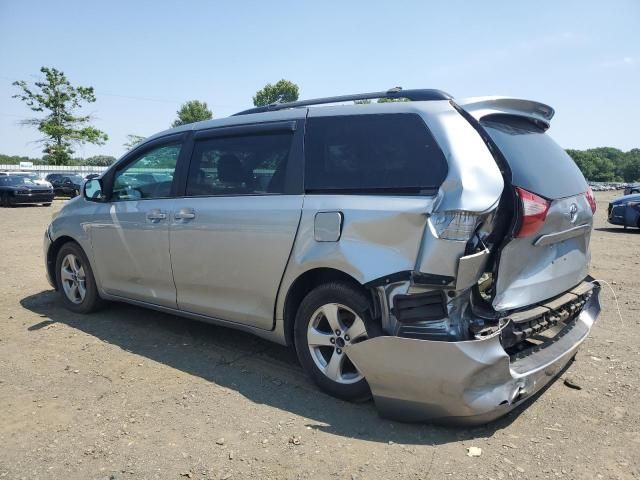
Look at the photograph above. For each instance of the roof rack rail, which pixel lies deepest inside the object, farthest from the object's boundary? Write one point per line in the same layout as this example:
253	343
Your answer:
414	95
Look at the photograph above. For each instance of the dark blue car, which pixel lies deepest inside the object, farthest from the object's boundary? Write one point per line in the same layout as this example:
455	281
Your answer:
625	211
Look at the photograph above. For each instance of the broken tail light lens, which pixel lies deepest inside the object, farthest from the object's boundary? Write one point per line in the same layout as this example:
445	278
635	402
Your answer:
454	225
591	199
534	211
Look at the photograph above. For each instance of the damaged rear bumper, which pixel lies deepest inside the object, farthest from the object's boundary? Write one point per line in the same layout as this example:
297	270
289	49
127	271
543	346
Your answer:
466	382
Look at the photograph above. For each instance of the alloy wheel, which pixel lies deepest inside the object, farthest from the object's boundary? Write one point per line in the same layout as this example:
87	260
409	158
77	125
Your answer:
73	278
332	327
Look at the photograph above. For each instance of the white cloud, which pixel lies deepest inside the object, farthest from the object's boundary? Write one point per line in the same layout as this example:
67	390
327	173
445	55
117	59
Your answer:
621	62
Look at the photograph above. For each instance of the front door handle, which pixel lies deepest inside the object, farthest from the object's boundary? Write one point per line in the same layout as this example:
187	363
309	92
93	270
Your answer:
156	215
185	214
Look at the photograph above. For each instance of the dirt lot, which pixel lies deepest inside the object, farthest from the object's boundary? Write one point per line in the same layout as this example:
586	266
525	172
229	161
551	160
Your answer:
131	393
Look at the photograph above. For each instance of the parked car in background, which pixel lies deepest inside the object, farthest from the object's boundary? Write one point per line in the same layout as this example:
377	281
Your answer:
631	189
34	177
433	253
625	211
17	190
69	184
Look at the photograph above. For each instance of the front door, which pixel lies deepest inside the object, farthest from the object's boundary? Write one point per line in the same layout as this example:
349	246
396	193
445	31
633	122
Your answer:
233	231
130	234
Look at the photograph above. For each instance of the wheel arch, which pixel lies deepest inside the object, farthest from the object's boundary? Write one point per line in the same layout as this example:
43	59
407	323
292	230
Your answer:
52	255
306	282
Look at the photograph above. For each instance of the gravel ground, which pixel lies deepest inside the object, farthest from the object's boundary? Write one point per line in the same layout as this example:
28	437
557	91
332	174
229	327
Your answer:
131	393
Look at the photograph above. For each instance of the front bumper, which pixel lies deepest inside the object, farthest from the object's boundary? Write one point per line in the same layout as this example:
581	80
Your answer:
616	214
467	382
33	198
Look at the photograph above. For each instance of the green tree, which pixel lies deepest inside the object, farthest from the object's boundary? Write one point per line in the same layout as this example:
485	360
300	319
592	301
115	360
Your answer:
132	141
391	100
16	159
283	91
594	165
192	111
60	127
629	168
100	160
381	100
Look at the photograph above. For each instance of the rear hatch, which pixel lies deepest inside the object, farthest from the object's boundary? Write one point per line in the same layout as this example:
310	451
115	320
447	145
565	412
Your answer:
547	253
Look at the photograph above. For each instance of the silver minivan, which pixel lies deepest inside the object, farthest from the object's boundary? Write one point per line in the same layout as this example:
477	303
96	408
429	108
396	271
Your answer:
432	253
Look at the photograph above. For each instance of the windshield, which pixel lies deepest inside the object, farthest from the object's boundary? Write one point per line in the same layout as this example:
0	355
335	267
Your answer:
31	176
16	180
76	178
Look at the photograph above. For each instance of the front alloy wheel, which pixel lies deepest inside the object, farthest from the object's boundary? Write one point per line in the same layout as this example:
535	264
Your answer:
75	279
74	282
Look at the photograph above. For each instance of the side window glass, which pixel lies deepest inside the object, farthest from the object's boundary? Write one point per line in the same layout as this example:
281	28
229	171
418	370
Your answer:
392	153
243	165
149	176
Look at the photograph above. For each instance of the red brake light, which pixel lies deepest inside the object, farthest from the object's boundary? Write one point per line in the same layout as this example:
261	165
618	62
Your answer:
591	199
534	211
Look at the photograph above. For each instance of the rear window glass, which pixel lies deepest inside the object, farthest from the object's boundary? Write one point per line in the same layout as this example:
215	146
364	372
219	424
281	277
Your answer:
537	162
395	153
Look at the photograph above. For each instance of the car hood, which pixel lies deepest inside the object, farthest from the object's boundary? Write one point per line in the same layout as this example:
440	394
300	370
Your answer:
627	198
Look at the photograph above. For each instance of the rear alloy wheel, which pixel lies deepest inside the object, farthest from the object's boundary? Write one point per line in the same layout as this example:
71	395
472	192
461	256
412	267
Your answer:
330	318
75	280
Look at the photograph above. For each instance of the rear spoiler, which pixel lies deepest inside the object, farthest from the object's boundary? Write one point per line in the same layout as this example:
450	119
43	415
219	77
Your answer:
480	107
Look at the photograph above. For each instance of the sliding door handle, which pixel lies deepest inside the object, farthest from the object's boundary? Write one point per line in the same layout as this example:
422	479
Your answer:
156	215
185	214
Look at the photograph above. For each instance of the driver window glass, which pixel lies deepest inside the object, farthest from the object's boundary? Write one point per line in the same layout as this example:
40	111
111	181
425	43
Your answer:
149	176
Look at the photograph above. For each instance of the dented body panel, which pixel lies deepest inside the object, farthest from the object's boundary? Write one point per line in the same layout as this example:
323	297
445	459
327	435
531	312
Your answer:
384	235
468	382
557	258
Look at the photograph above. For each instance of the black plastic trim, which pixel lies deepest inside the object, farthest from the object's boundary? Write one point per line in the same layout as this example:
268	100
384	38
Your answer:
248	129
420	278
393	278
420	307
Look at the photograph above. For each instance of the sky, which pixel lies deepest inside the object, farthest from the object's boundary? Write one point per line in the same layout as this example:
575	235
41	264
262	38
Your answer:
145	58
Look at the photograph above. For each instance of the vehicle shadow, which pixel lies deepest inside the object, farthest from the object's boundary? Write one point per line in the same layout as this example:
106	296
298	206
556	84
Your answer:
261	371
630	230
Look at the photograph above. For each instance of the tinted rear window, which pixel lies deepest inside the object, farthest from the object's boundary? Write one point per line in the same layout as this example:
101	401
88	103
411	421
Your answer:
537	162
392	153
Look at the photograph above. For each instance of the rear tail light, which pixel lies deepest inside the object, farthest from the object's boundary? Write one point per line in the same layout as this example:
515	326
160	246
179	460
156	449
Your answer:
534	211
591	199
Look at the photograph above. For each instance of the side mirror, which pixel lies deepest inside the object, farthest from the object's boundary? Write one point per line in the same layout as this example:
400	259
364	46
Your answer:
92	190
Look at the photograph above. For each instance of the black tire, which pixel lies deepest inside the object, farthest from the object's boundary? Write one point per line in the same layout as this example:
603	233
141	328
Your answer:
3	200
91	301
356	301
